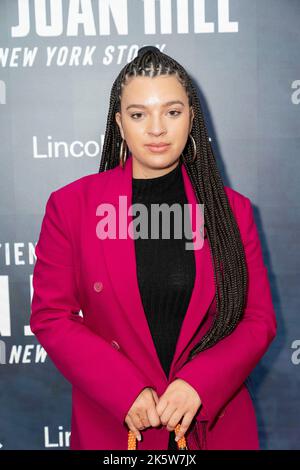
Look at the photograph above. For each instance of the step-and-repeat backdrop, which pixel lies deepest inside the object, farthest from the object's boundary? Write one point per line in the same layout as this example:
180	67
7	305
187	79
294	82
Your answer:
58	59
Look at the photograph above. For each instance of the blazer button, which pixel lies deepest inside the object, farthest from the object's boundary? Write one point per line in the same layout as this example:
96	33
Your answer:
115	344
98	286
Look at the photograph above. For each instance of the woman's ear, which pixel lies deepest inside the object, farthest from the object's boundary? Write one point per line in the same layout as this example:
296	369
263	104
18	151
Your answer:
119	123
191	118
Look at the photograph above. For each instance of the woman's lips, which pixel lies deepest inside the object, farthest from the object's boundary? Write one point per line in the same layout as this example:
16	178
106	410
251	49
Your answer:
158	148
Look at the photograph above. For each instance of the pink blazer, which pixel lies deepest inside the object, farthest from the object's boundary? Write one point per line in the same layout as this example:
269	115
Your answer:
107	352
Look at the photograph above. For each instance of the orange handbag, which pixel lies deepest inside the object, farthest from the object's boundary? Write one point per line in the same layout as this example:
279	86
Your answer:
132	440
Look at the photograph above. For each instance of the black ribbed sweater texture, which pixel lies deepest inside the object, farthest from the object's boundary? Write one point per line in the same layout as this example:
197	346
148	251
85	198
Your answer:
165	268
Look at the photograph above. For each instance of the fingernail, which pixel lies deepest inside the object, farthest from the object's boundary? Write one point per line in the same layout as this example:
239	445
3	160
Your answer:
139	437
177	438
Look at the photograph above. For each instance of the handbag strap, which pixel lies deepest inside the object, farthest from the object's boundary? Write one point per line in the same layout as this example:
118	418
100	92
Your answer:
132	440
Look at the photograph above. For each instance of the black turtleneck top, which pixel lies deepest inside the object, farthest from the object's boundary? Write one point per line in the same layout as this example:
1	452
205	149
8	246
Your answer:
165	268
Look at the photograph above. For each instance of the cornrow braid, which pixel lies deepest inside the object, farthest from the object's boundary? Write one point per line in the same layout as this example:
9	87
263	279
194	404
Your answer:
230	270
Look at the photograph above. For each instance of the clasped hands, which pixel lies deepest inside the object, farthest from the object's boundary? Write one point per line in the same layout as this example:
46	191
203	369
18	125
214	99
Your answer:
180	400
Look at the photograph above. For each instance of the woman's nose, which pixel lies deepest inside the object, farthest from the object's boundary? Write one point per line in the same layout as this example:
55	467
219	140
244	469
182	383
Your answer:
156	127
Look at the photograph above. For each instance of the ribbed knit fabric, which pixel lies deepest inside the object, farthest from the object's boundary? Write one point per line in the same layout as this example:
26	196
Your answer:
165	268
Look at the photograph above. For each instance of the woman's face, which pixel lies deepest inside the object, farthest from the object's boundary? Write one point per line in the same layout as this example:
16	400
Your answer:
148	117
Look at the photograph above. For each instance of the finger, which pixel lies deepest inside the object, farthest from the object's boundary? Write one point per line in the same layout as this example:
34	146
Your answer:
143	419
161	406
155	396
132	428
174	420
184	425
144	423
146	400
137	420
167	414
153	416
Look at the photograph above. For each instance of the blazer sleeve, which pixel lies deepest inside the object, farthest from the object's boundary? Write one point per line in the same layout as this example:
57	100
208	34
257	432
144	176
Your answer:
218	372
84	358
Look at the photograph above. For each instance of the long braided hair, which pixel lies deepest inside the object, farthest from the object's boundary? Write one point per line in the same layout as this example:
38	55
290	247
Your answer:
230	271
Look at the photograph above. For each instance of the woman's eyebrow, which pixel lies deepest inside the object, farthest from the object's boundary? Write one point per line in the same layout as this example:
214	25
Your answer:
168	103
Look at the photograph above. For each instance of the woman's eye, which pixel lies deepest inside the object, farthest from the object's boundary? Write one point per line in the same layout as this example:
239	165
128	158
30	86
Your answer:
174	111
136	114
177	113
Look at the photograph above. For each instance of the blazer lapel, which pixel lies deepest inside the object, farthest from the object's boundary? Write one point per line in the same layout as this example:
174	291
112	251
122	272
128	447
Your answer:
119	254
204	287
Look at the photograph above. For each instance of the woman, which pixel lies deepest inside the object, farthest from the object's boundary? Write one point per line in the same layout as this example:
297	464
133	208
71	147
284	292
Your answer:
167	335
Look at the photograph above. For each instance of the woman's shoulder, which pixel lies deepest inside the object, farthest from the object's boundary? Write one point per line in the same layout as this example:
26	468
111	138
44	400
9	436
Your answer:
236	199
242	209
91	183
